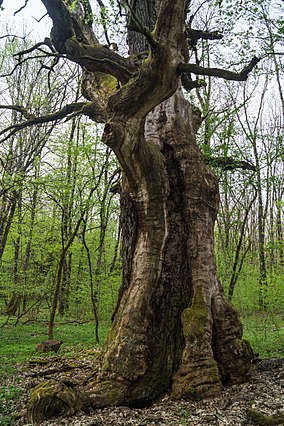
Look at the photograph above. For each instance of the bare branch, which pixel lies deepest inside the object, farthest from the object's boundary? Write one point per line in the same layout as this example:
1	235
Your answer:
21	109
204	35
218	72
46	42
14	36
43	16
27	59
21	8
229	163
90	109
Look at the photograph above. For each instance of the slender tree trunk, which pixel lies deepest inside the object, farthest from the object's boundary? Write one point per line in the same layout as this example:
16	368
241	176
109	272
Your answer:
93	289
6	216
15	301
67	214
238	260
29	244
261	237
279	230
58	279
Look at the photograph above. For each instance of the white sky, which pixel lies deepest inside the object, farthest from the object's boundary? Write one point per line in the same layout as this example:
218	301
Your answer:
27	17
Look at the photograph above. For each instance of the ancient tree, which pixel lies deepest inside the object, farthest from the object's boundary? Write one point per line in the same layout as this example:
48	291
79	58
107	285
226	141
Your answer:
173	330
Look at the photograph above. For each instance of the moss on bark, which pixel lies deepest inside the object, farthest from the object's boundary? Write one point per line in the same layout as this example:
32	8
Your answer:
53	399
194	319
198	375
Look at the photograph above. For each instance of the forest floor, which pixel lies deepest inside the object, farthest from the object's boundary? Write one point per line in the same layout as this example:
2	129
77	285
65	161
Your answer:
260	401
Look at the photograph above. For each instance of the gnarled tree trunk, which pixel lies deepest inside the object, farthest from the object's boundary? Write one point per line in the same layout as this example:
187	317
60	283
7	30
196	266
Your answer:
173	328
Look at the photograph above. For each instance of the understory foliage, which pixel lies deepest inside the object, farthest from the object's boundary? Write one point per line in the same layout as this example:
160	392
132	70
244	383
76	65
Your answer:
50	177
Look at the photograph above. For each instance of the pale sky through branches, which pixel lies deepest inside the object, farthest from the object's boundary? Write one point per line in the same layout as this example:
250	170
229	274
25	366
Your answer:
29	16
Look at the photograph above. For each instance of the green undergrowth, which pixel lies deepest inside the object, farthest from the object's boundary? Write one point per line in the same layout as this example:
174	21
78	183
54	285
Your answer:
265	332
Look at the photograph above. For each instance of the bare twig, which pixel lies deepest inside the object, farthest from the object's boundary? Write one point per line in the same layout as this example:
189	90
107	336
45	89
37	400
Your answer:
14	36
43	16
21	8
21	61
103	8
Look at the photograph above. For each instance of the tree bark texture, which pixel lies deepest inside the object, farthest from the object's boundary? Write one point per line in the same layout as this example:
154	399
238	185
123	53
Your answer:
173	328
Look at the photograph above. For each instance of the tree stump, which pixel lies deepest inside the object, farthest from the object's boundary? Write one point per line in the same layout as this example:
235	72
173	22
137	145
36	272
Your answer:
53	399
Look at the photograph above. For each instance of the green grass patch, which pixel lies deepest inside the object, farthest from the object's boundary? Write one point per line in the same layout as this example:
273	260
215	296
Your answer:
265	332
17	343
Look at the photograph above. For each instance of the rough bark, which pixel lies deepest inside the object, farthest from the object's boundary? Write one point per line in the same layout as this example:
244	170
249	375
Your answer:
173	326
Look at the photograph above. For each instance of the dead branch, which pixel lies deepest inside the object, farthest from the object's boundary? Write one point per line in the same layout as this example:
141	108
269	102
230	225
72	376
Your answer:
218	72
204	35
90	109
51	371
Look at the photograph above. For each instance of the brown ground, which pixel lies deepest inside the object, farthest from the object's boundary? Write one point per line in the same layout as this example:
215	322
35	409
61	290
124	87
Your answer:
257	402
